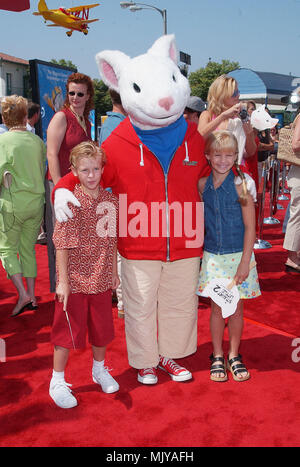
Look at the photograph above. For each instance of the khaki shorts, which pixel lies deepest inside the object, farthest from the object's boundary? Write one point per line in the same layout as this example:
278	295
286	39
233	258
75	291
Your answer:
160	305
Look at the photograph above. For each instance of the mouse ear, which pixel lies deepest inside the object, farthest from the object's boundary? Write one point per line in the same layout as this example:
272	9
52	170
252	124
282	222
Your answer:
165	46
261	120
110	64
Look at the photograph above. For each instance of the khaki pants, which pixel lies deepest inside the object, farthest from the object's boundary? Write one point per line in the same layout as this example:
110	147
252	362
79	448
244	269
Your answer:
160	305
119	289
292	235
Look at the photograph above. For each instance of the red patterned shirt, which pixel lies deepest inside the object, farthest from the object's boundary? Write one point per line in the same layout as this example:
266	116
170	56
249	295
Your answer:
90	236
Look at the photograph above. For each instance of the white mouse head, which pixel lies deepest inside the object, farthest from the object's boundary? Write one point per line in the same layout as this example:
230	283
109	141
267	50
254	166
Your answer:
262	120
153	91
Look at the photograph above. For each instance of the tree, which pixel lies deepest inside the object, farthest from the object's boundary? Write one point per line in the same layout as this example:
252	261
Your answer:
200	80
102	98
64	62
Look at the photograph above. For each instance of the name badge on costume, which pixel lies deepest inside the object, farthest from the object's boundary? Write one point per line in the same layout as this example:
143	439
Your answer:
191	163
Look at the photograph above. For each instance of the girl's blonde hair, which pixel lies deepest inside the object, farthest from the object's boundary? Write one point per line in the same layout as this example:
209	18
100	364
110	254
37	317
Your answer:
221	89
14	110
225	140
86	149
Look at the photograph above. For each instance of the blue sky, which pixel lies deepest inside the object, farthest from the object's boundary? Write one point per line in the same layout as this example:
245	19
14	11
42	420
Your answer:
263	35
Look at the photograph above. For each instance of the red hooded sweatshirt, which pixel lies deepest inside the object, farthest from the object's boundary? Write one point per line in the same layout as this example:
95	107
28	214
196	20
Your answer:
160	214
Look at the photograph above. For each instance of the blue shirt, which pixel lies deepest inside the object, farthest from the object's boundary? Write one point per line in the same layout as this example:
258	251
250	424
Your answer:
164	142
110	123
223	221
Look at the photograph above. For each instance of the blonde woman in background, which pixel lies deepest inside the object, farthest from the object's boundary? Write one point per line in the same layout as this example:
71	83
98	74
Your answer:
223	113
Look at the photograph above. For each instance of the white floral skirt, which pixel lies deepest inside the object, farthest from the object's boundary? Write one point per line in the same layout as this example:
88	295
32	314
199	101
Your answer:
225	266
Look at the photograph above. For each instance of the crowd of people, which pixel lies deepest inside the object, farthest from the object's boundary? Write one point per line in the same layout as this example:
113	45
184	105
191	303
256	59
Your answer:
85	267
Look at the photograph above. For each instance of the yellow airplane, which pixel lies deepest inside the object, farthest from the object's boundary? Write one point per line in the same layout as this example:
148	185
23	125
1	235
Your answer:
73	19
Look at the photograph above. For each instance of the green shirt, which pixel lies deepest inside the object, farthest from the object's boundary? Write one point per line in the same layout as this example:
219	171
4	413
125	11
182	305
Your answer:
23	154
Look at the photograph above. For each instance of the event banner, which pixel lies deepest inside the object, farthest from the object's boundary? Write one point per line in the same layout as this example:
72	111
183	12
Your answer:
48	82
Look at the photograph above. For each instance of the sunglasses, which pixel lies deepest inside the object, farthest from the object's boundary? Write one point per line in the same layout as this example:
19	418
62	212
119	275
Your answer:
79	94
236	93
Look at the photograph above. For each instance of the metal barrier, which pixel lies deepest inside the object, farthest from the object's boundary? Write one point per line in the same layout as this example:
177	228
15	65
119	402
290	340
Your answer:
273	174
261	244
282	189
270	177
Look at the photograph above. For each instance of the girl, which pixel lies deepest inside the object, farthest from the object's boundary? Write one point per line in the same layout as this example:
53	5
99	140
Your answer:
228	247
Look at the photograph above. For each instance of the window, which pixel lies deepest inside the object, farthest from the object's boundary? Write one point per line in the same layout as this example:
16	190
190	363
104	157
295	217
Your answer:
8	84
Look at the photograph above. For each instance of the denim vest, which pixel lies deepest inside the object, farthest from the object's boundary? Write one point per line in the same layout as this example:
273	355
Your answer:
223	221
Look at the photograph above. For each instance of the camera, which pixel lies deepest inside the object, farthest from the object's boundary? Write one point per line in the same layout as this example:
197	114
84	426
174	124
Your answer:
244	116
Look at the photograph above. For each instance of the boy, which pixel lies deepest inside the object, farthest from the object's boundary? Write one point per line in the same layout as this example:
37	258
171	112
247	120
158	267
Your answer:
86	261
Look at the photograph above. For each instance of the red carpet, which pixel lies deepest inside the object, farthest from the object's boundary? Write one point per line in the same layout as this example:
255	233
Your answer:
265	411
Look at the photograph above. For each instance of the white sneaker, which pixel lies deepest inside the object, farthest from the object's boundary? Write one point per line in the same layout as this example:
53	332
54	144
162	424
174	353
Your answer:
61	394
106	381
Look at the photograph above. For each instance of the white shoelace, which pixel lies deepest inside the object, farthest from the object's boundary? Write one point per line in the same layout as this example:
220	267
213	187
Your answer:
62	384
173	365
105	372
106	381
149	371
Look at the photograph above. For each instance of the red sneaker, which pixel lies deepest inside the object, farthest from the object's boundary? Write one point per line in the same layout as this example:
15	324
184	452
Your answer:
177	372
147	376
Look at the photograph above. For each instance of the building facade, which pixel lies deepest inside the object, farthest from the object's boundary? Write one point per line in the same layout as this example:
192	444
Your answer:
14	76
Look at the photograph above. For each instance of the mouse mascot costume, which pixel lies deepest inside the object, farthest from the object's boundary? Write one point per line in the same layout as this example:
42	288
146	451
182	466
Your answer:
154	160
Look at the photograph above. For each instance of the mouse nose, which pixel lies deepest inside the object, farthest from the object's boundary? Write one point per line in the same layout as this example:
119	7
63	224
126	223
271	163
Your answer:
166	102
